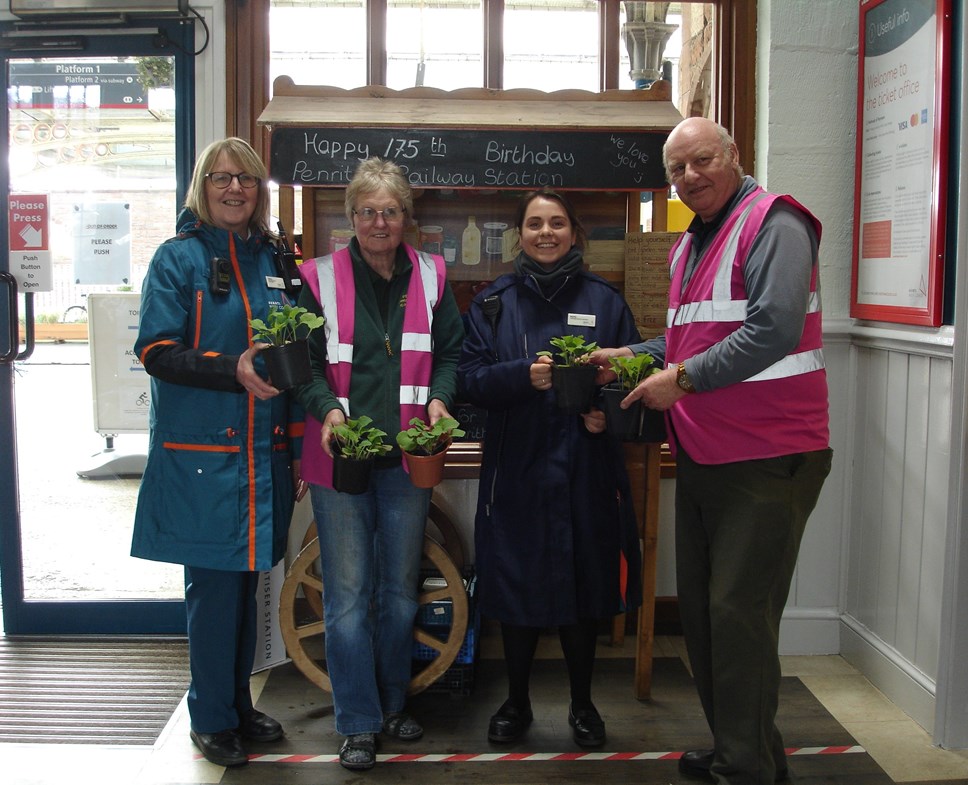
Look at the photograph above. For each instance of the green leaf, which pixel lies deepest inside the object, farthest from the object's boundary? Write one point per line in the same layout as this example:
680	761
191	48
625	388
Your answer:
572	349
285	325
422	438
632	370
357	439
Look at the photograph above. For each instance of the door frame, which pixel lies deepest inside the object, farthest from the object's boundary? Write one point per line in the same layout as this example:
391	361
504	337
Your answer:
146	36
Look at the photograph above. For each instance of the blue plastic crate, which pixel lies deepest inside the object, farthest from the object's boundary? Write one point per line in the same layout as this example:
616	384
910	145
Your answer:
456	680
441	612
468	650
436	614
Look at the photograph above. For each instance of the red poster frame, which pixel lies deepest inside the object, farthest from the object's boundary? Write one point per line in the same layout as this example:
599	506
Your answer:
933	279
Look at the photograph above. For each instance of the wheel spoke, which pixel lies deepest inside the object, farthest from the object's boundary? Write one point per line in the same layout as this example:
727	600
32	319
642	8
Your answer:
301	636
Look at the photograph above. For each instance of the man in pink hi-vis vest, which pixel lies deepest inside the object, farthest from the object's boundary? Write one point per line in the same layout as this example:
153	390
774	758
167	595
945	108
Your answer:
745	394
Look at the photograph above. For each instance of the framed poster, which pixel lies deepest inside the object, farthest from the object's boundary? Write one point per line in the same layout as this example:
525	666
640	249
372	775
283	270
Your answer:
904	76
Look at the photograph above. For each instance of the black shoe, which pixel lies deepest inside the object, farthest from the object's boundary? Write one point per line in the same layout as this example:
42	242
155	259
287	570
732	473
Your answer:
509	724
223	748
588	727
696	763
256	726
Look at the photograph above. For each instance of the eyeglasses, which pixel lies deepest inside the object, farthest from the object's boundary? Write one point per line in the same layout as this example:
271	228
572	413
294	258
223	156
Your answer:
391	215
224	179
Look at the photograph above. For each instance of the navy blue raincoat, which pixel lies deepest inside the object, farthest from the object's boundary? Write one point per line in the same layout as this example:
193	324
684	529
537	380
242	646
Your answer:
555	534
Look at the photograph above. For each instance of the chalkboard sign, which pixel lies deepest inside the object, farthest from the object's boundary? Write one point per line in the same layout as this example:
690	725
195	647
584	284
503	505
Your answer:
473	421
467	158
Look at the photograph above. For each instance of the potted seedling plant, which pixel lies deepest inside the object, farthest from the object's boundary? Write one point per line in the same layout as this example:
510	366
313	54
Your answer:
424	449
356	444
286	329
637	423
572	376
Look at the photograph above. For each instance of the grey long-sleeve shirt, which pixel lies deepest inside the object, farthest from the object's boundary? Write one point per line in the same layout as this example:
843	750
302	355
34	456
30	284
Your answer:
777	275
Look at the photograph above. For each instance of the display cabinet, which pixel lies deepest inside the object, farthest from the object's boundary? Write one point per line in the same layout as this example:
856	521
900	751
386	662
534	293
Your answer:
469	154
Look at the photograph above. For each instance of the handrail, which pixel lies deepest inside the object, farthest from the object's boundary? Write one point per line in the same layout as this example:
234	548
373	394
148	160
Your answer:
13	324
29	326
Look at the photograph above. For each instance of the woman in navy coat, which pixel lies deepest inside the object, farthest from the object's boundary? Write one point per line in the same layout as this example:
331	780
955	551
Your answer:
556	542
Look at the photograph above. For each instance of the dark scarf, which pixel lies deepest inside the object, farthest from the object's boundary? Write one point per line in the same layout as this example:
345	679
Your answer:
550	279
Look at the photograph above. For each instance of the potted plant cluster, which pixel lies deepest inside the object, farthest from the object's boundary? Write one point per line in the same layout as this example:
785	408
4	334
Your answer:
637	423
572	376
356	444
424	449
286	330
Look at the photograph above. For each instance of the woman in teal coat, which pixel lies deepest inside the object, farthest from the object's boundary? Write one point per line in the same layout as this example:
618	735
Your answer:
221	477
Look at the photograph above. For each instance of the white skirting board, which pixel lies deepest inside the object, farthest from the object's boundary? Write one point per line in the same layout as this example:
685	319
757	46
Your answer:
904	685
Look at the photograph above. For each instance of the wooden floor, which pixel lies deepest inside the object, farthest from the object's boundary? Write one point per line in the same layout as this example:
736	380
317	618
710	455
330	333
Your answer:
644	737
638	732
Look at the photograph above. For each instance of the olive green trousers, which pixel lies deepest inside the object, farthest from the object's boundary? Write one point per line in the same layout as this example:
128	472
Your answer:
738	532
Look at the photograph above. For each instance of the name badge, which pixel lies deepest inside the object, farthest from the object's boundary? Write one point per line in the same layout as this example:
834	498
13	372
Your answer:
581	319
275	282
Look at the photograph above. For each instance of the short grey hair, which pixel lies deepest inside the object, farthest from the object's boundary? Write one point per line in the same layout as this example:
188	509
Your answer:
377	174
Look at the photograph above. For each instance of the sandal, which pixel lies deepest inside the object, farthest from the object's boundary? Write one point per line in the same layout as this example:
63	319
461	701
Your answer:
400	725
358	752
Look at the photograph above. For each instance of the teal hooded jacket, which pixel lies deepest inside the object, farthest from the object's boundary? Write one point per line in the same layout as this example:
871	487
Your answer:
217	490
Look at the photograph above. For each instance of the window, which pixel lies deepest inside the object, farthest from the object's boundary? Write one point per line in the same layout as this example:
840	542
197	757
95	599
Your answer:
318	42
551	45
453	43
434	44
716	61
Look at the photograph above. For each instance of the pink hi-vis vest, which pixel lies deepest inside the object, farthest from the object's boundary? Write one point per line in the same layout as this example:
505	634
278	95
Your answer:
779	411
330	278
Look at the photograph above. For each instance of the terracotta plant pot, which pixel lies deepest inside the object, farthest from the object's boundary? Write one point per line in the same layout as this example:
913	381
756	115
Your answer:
351	475
574	387
426	471
288	365
636	424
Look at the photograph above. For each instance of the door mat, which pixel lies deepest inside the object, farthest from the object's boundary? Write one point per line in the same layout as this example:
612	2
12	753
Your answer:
645	738
82	691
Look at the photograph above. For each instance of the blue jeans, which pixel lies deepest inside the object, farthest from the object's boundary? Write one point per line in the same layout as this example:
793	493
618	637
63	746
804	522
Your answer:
370	548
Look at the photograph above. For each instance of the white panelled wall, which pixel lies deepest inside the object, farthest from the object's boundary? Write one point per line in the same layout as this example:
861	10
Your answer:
901	442
872	578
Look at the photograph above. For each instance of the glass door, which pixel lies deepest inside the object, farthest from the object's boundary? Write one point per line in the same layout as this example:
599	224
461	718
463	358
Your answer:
99	149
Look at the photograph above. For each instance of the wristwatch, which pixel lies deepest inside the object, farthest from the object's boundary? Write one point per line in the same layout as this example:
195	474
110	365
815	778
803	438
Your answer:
683	380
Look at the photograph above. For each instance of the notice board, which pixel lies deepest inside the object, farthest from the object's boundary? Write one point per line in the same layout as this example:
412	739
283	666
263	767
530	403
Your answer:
647	279
900	182
119	380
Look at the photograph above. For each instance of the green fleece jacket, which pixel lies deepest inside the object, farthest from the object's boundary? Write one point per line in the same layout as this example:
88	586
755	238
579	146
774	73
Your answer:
375	381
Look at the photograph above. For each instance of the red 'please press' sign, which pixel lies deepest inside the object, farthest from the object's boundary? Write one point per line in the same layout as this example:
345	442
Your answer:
29	222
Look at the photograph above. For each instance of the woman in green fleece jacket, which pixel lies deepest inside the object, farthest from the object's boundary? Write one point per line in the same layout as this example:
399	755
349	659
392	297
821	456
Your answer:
389	351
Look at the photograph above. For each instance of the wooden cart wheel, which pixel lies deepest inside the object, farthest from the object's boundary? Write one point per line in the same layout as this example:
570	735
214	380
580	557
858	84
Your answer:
303	637
440	529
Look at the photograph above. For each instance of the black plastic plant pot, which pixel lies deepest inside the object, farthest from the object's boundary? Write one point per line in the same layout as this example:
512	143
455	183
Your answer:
574	387
288	365
636	424
351	475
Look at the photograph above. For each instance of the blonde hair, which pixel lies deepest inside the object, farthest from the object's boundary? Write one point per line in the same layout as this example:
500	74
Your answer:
248	160
376	174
